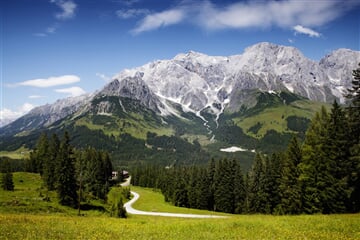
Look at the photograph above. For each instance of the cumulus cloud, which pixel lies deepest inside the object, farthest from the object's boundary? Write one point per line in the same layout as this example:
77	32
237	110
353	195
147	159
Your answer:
8	115
72	91
68	9
307	31
249	14
50	82
131	13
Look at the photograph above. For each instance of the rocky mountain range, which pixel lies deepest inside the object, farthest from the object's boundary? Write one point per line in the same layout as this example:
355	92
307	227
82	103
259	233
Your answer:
205	86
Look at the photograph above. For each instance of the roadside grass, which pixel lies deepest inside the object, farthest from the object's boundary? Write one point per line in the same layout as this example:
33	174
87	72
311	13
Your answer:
25	226
25	215
153	201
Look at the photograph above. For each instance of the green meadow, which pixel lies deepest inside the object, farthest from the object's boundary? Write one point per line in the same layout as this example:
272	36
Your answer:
24	214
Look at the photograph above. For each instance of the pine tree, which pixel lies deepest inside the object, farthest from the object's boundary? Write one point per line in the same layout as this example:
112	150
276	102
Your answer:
211	185
313	169
224	187
337	151
66	181
273	167
239	188
353	112
42	152
290	191
49	173
7	182
120	210
257	196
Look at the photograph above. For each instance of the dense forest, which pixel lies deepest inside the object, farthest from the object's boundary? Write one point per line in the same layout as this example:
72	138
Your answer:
319	175
75	174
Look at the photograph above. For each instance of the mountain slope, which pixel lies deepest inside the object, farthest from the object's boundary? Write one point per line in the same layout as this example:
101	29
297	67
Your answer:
195	104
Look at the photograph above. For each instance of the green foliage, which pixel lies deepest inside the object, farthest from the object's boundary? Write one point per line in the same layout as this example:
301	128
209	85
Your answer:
255	128
7	182
297	124
289	188
65	170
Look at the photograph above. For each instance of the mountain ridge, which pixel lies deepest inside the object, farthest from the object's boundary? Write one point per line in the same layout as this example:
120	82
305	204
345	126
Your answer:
265	66
196	98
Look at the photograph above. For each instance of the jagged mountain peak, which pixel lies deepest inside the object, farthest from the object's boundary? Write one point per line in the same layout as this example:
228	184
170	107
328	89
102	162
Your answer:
198	58
198	82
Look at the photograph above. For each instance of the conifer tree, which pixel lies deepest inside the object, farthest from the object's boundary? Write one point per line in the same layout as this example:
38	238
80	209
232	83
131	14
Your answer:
273	167
224	187
204	190
7	182
41	153
66	181
239	188
353	112
49	173
211	185
257	196
313	168
289	187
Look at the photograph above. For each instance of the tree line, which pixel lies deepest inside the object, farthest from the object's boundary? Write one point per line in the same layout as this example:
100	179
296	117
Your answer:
75	174
319	175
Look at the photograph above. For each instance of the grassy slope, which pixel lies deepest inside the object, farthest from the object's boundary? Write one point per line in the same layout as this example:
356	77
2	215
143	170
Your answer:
275	117
136	126
142	227
29	197
17	154
37	223
148	197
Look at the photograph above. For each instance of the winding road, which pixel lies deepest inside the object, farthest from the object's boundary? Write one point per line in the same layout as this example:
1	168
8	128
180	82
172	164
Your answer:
131	210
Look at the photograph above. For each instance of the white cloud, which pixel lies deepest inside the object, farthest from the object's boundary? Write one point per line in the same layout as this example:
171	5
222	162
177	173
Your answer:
126	2
248	14
131	13
36	96
165	18
307	31
103	77
8	115
40	34
50	82
68	9
72	91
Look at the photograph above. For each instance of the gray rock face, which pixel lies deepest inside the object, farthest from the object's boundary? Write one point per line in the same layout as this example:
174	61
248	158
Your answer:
216	83
198	81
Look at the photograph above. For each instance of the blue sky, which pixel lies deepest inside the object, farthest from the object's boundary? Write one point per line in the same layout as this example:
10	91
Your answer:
52	49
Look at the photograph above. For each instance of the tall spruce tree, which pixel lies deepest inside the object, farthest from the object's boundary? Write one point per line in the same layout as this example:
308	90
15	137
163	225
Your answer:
41	152
224	187
7	182
257	196
66	181
272	184
289	187
239	188
337	151
49	164
353	112
314	170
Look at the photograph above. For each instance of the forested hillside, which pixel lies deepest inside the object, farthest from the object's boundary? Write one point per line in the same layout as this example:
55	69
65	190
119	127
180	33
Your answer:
320	175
